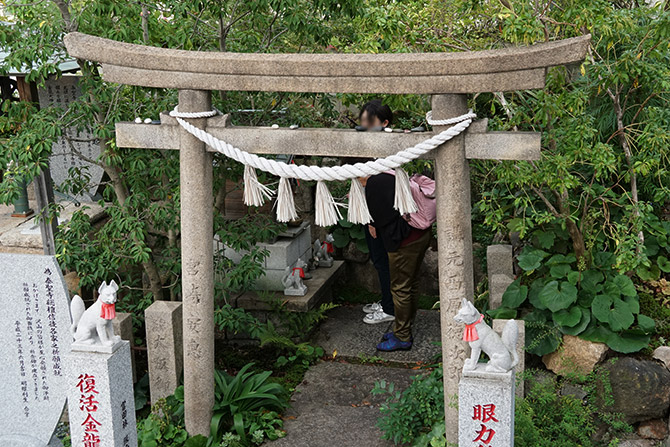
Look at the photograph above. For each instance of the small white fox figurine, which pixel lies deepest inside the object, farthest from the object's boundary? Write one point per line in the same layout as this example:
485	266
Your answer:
500	350
93	326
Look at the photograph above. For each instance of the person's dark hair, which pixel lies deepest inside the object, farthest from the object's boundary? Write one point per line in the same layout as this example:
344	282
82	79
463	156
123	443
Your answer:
375	108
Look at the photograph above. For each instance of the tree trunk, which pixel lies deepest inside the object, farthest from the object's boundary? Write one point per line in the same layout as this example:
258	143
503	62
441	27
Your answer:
576	234
621	131
122	193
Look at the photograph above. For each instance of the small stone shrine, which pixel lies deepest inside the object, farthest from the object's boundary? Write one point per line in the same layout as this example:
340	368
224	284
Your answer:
290	245
35	330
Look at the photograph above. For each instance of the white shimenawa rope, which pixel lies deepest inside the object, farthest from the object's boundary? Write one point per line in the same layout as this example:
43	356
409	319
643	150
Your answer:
327	213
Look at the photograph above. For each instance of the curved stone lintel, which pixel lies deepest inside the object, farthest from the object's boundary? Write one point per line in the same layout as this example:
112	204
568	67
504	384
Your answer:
504	69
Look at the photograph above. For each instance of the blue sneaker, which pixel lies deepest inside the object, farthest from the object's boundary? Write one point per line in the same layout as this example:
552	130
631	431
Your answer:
387	335
393	344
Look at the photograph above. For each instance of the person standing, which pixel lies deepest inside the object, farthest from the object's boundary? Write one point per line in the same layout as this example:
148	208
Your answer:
376	115
406	247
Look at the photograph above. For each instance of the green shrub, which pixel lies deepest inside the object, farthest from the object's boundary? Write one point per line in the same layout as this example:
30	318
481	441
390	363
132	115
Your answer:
345	232
557	295
408	414
544	418
164	426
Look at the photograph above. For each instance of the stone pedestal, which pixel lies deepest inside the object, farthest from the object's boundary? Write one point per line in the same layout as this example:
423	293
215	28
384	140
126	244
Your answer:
498	284
500	270
123	327
498	326
301	290
101	403
486	408
163	320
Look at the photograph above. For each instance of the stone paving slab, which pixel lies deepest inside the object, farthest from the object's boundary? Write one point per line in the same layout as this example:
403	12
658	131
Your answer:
23	234
334	406
345	332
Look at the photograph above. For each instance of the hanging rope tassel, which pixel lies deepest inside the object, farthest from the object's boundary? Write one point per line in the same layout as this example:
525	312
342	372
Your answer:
285	204
358	206
404	202
326	210
255	193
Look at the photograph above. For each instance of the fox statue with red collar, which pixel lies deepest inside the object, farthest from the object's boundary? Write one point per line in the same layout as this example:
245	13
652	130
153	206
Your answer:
93	326
501	350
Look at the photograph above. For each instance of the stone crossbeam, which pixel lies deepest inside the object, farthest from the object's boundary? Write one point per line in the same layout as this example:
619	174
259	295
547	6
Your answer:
479	144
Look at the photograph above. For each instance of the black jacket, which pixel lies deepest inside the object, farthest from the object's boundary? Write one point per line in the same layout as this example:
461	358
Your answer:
390	226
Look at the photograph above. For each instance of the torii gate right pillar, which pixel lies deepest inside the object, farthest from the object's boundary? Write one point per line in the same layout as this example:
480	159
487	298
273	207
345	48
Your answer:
454	241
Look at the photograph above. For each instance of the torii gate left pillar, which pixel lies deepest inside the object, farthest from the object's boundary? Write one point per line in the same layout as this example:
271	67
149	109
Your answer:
197	267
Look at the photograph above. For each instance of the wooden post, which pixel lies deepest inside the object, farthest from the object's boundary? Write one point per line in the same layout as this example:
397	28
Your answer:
454	238
44	193
195	170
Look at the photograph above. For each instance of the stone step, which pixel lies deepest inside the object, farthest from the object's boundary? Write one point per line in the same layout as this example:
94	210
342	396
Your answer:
319	291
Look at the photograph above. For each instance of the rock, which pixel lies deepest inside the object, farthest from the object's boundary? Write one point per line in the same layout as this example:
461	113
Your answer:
653	429
662	353
572	390
353	254
430	284
637	443
539	377
575	356
640	388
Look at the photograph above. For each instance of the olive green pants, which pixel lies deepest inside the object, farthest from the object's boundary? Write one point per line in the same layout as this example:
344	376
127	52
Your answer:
405	264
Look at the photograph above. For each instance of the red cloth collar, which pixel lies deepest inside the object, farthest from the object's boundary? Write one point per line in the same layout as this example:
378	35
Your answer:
329	247
300	271
470	333
108	311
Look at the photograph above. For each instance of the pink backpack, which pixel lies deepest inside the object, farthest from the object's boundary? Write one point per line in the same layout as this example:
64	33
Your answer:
423	193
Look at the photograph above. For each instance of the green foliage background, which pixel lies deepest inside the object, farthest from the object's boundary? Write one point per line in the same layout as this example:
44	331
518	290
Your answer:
603	177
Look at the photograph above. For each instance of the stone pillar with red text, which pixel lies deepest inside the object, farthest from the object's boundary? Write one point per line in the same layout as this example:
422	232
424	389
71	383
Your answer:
101	403
486	408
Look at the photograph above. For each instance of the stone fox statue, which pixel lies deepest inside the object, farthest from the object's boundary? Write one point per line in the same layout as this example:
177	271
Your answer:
94	325
291	279
500	350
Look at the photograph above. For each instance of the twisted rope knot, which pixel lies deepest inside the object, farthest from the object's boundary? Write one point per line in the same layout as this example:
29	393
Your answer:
208	114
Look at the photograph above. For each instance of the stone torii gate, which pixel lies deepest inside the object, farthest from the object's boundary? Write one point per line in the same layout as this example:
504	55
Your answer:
445	76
